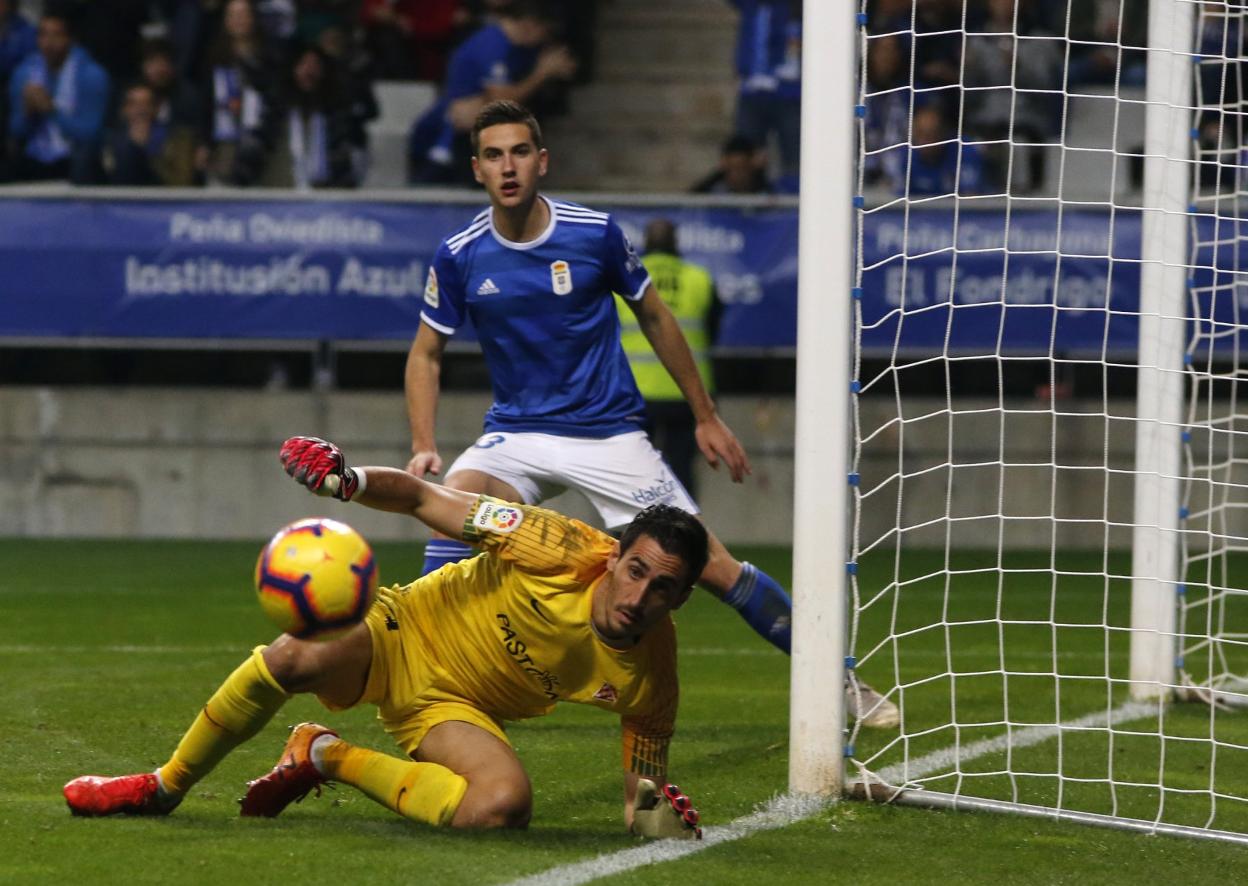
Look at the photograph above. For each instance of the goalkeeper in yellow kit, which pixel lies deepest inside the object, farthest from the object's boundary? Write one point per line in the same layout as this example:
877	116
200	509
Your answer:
551	610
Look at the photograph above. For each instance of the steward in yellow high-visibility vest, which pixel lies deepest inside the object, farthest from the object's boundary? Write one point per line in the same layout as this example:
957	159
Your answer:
689	290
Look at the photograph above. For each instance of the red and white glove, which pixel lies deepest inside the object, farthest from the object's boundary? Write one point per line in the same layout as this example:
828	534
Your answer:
664	813
320	466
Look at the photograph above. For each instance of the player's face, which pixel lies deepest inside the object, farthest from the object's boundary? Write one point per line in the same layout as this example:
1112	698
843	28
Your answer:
53	41
509	164
646	583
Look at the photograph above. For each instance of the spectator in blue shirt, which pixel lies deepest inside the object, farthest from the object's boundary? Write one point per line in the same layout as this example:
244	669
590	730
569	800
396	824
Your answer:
58	98
242	107
17	40
769	64
511	60
939	163
886	126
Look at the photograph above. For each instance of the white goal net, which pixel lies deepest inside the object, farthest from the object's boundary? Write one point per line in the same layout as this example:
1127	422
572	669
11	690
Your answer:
1049	465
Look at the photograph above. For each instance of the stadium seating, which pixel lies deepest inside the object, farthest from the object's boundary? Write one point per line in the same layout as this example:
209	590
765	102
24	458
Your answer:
400	104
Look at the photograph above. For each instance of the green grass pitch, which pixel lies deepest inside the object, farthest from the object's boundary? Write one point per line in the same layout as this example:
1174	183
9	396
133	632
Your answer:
107	650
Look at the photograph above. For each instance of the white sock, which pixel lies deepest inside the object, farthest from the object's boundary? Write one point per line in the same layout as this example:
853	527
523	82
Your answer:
317	751
165	799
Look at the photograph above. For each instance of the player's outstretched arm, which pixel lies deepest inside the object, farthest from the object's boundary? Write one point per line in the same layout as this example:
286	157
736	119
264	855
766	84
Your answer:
715	439
421	380
659	810
321	467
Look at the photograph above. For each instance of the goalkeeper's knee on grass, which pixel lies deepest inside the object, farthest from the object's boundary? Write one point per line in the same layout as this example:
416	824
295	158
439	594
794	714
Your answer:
764	605
425	792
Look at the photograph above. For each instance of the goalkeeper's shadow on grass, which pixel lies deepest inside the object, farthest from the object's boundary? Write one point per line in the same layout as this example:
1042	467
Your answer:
588	838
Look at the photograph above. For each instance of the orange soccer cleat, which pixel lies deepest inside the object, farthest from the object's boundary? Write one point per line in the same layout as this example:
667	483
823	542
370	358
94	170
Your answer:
95	795
291	779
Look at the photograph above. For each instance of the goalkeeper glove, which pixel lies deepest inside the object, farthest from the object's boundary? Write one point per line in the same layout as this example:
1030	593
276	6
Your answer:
320	466
664	813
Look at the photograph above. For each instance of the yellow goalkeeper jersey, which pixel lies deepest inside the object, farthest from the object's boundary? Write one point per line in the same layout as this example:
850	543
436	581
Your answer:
509	630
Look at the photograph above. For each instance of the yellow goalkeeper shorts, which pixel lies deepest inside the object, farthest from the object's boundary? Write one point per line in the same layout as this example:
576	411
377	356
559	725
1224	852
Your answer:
402	682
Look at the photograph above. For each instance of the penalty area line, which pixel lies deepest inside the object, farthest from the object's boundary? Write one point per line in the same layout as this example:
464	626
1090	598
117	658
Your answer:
780	812
789	809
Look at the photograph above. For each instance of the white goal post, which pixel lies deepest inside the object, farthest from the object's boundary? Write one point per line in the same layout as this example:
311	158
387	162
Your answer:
1023	252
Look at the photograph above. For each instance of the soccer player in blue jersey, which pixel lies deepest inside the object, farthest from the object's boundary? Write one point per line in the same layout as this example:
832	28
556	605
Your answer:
536	278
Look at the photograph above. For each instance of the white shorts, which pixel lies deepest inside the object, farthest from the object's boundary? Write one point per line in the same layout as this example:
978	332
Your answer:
619	475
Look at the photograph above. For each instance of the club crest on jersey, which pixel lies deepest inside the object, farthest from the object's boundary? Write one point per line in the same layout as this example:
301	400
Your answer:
560	277
431	288
497	518
607	693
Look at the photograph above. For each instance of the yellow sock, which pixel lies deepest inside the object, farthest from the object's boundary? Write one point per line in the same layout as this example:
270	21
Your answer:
246	701
424	792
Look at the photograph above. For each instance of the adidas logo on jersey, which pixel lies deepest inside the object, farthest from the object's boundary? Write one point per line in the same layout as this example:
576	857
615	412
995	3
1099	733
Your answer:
487	288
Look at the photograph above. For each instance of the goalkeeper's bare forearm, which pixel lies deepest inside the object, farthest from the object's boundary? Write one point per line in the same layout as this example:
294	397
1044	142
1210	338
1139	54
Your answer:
438	507
321	467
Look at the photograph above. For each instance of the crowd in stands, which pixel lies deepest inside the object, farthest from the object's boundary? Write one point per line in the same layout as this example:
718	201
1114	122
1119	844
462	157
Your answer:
768	115
278	93
514	57
257	92
1004	82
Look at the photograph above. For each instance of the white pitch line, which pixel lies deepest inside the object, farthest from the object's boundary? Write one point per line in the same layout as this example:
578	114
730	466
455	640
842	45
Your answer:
938	761
781	811
789	809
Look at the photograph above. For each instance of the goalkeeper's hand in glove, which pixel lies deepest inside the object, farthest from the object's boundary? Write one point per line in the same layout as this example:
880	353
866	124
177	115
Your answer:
664	813
320	466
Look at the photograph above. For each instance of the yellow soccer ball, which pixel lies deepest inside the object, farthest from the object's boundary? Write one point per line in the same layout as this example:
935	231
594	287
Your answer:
316	579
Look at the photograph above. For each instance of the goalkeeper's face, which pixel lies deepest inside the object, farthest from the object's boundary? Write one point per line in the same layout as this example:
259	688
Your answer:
509	164
644	584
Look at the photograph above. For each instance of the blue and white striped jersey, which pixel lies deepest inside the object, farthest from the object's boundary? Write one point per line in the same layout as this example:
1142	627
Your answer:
546	319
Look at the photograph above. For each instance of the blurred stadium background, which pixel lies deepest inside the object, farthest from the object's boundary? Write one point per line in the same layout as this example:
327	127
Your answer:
175	305
122	399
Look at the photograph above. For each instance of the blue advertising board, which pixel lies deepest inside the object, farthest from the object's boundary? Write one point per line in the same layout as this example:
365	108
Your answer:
1025	282
332	270
987	281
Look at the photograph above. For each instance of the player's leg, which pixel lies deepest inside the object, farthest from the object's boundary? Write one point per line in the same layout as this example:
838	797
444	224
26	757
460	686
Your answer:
239	709
336	670
400	678
498	793
490	467
422	791
461	776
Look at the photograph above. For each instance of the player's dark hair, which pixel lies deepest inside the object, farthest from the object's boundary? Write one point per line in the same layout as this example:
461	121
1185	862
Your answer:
63	14
661	236
505	111
678	533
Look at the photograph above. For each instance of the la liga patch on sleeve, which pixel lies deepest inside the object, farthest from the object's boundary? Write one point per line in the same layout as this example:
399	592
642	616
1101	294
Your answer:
497	518
431	288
